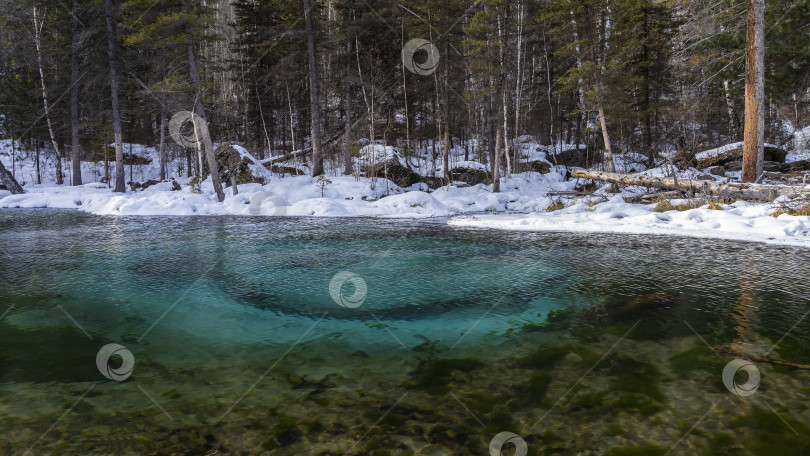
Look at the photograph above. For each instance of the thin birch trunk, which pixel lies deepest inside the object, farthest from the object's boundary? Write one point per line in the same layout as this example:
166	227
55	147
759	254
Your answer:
504	96
38	23
405	93
75	147
519	76
496	175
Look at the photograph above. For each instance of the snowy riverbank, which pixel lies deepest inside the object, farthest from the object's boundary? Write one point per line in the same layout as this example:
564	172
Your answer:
527	202
299	196
468	207
739	221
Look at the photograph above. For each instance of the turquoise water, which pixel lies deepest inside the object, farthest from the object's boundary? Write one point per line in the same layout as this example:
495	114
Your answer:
579	344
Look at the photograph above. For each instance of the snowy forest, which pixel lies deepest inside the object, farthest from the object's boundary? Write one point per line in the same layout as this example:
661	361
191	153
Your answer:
404	227
646	80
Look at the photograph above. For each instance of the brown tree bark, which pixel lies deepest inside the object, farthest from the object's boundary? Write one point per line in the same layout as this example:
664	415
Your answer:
119	147
75	147
315	127
754	134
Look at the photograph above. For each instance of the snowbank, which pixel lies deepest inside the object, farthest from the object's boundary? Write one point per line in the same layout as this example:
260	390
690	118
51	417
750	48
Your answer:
739	221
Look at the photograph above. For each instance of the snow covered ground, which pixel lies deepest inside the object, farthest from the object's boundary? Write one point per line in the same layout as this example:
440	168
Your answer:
523	203
739	221
346	196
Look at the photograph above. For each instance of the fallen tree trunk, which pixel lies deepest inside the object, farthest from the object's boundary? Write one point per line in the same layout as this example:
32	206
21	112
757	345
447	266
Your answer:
648	197
298	153
748	192
8	180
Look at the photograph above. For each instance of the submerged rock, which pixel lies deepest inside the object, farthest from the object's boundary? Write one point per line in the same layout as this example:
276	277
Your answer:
634	307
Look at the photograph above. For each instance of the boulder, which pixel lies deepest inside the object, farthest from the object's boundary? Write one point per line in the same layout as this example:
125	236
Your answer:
129	159
471	176
395	171
572	157
538	166
231	164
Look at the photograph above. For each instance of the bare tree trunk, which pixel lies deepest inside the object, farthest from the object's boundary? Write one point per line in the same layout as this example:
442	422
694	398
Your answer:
75	147
732	116
496	166
490	129
405	92
754	135
119	148
315	128
519	75
504	97
347	104
39	175
609	167
446	116
162	143
206	140
292	126
38	23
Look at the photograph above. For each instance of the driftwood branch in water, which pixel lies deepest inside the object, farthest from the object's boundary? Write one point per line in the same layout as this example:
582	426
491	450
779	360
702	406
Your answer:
761	360
748	192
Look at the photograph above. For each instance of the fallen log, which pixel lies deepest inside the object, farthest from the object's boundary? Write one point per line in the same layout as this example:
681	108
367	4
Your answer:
748	192
647	197
8	180
772	154
298	153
